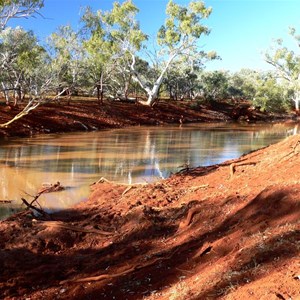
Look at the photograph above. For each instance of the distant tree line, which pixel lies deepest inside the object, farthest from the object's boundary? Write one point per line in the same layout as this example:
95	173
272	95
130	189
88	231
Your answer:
110	57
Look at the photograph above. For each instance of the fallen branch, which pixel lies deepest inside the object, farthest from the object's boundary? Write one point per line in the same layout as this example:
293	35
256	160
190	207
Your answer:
48	189
39	210
30	106
127	190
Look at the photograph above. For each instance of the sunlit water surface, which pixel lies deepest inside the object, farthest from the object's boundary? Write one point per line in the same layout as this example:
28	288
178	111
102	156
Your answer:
139	154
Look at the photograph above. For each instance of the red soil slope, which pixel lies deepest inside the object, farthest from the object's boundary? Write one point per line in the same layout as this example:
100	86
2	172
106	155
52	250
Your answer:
84	115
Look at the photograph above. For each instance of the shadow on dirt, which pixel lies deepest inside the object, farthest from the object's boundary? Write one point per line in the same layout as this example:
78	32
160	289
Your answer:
149	253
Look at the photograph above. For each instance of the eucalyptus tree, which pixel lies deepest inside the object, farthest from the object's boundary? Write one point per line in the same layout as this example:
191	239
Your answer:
120	30
244	83
271	96
214	85
10	9
109	36
20	55
178	37
287	64
99	60
67	56
127	40
25	67
181	81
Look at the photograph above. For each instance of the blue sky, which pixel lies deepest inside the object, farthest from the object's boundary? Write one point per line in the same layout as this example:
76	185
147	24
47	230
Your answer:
241	30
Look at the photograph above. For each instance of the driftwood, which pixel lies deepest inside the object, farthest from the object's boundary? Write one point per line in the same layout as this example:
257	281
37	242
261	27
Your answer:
47	188
103	179
50	188
39	210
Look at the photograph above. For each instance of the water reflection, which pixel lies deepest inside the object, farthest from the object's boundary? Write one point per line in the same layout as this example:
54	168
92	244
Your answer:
125	155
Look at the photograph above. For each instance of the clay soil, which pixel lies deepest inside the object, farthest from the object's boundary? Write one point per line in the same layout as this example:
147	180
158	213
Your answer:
228	231
86	115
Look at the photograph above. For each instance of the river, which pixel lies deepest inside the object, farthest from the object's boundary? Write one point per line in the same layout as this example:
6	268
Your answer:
138	154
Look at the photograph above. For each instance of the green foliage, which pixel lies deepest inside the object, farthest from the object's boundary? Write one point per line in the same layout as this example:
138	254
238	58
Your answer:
214	85
110	39
183	23
122	26
287	65
243	84
20	49
67	58
272	97
24	63
17	9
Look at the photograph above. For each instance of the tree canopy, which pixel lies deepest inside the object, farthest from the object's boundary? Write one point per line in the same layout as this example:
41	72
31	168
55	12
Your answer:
109	56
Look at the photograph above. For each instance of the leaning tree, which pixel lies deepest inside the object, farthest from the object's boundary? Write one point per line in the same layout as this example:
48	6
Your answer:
287	64
178	37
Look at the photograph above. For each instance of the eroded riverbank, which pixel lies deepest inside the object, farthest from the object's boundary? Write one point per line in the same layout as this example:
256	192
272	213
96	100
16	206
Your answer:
87	115
227	231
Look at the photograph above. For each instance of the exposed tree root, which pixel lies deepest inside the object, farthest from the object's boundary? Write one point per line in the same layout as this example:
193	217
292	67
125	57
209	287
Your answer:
125	272
103	179
75	228
233	166
197	187
293	152
188	219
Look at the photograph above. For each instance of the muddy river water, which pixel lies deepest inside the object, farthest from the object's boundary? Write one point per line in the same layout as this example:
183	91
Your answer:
139	154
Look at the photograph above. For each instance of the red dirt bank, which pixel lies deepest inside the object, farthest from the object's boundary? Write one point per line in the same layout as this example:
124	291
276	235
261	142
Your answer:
229	231
83	115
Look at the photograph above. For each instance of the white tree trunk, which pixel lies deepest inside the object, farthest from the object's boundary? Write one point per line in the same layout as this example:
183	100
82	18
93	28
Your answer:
297	100
152	93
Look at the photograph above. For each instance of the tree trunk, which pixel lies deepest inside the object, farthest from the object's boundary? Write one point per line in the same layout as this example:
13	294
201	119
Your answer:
170	92
5	92
151	100
69	97
101	96
152	93
297	100
98	94
297	104
126	87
